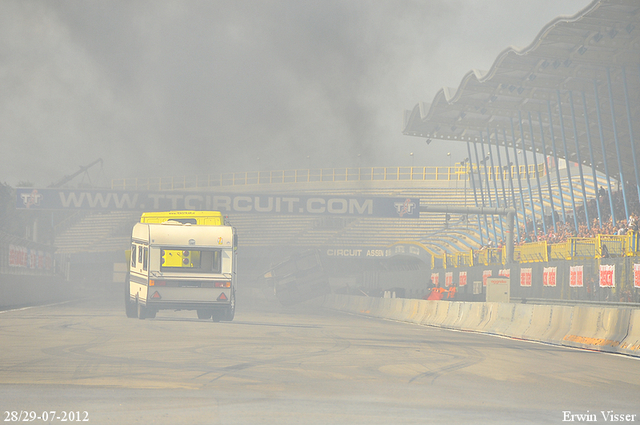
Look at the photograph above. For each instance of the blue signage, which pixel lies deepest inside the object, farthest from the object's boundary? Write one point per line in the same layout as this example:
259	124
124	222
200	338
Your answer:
284	204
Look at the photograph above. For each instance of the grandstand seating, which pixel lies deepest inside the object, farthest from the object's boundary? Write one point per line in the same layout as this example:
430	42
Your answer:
110	231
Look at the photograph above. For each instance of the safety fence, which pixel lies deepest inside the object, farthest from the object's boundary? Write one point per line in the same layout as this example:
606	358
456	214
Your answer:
602	246
444	174
579	279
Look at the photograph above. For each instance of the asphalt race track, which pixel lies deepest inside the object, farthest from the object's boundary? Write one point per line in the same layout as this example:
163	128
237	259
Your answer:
304	365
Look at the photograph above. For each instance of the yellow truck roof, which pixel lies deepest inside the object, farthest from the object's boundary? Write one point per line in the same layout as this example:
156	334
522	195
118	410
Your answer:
209	218
177	234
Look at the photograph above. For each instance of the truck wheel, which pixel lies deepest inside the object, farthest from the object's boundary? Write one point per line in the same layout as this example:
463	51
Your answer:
129	306
230	312
218	315
142	311
204	314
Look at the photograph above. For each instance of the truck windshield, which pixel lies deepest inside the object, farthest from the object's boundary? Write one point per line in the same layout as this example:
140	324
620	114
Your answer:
190	260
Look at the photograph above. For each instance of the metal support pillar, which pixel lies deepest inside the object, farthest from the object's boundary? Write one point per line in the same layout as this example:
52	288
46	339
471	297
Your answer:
546	170
495	181
473	185
555	158
604	154
575	136
504	192
593	165
515	153
615	139
486	176
566	160
526	170
535	166
631	138
486	225
513	194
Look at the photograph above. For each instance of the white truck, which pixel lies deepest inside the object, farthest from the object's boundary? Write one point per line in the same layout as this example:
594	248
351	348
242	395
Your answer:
178	266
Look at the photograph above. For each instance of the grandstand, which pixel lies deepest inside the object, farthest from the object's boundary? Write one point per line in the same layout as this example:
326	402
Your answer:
567	106
92	232
109	231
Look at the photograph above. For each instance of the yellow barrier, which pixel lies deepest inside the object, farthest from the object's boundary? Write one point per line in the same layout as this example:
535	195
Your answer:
489	256
560	251
612	246
583	247
533	252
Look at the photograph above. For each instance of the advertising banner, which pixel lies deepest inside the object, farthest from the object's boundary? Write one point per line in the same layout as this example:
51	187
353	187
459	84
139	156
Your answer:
549	276
20	256
636	275
435	278
485	275
286	204
448	278
462	279
607	275
525	277
575	280
505	273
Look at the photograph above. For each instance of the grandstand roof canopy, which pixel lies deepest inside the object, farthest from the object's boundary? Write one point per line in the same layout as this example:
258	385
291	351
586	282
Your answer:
588	59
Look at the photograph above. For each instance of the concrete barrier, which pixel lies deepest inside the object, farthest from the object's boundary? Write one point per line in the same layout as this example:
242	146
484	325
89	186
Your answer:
423	311
439	314
502	320
24	290
400	309
413	312
559	324
540	322
522	316
472	315
598	328
453	315
631	343
377	307
430	312
490	316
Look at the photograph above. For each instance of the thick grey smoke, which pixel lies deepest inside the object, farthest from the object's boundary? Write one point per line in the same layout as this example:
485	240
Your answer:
159	88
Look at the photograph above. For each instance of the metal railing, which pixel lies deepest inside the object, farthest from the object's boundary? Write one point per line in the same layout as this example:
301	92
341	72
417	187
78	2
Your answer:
532	252
602	246
454	173
459	259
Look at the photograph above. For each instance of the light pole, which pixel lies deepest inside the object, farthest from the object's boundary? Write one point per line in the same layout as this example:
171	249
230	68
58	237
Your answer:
411	169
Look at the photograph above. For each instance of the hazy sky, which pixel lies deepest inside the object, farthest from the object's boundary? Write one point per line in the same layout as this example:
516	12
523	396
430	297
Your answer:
160	88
